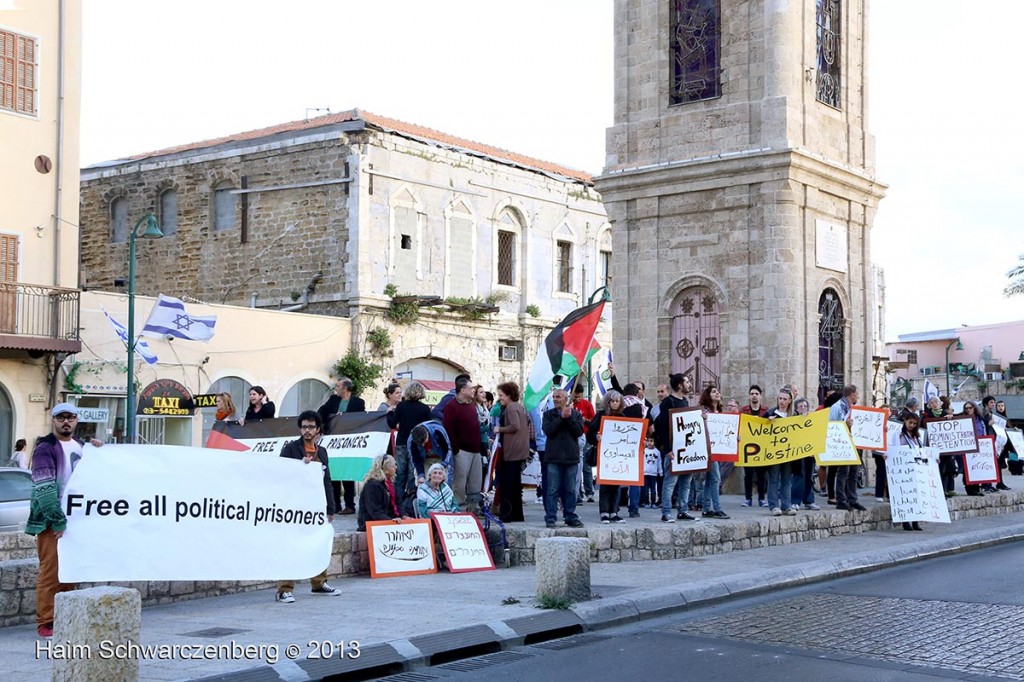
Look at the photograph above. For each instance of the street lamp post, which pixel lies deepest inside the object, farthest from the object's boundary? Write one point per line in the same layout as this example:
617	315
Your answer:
152	232
959	346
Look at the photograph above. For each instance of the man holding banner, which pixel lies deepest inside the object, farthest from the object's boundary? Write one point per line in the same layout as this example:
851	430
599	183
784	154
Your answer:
846	476
306	449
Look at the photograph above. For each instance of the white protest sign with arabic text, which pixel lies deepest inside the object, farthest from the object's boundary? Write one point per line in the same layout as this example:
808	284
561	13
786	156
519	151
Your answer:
723	432
915	489
620	451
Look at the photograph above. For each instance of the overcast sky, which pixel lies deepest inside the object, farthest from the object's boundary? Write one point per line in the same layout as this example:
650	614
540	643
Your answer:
535	76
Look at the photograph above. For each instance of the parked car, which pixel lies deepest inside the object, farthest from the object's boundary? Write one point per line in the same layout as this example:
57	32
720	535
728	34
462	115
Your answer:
15	493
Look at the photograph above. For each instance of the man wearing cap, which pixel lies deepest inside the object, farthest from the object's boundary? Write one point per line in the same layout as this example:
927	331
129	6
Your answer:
54	458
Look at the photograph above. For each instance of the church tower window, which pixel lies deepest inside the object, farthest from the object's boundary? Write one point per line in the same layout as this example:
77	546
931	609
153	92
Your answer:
695	41
829	63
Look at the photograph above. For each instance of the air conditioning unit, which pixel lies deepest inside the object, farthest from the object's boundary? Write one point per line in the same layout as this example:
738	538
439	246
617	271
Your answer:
993	376
507	352
930	371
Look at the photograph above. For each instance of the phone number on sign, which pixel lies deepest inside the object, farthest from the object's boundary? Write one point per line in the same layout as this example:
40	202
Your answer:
229	651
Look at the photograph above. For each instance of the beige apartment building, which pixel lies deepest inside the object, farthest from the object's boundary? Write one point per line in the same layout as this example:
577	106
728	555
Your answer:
40	93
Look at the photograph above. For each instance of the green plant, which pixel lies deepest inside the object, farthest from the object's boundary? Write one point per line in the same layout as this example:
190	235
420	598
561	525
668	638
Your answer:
556	603
982	386
380	341
296	296
362	373
533	310
509	601
405	312
71	384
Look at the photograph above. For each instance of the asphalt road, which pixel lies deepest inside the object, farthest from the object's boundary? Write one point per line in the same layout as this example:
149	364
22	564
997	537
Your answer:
957	617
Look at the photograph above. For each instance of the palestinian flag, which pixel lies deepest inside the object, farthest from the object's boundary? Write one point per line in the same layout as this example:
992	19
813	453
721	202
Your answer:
564	352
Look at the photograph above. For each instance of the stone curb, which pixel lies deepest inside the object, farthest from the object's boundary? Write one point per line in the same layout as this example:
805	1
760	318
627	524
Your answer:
448	646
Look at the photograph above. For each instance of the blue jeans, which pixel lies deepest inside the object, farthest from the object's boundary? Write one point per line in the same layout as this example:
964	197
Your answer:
650	491
634	498
405	479
696	496
712	480
561	485
673	481
779	484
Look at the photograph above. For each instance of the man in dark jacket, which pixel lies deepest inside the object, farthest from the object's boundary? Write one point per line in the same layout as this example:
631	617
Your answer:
342	401
307	450
679	483
563	427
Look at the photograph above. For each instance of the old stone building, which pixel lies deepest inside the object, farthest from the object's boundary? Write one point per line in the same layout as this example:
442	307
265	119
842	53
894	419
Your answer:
741	186
483	250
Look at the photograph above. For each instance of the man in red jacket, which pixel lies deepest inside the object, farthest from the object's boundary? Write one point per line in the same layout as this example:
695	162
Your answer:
463	428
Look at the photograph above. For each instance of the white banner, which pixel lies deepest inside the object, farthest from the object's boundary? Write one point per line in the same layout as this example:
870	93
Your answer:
691	450
1001	438
463	542
839	450
1016	439
161	512
915	489
723	432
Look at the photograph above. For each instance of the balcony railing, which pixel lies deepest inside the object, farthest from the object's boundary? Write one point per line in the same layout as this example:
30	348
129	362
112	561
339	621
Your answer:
34	317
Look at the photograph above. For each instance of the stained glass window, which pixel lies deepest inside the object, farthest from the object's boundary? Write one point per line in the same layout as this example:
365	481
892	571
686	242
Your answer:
694	43
829	63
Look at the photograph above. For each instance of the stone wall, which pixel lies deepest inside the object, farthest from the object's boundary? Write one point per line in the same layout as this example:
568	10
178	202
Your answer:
607	545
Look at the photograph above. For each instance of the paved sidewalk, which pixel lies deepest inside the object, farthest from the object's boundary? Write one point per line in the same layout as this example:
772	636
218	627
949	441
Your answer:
394	610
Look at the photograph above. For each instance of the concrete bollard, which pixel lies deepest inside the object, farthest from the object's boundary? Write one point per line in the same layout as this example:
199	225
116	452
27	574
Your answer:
88	624
563	568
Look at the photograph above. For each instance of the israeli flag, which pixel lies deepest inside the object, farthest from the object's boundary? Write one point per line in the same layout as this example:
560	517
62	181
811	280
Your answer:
141	347
930	391
169	319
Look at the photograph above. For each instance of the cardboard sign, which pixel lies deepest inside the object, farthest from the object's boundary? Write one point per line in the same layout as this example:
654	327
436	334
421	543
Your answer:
405	548
463	541
915	488
1000	431
164	512
1016	439
952	436
691	449
982	466
997	420
839	450
620	451
723	432
868	429
764	442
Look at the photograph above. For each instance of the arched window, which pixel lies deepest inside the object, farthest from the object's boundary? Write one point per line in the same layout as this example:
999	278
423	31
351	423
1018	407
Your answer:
695	337
307	394
239	390
119	221
223	207
507	242
831	331
168	218
6	427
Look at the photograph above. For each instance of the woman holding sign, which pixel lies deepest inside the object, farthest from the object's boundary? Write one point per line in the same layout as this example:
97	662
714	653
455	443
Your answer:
980	429
711	401
780	483
910	436
607	495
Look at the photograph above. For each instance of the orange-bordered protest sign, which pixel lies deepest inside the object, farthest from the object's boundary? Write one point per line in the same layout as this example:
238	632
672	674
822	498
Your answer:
405	548
620	451
982	466
869	427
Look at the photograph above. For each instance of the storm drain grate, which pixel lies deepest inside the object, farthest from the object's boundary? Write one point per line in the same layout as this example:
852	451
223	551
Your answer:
213	632
500	658
409	677
570	642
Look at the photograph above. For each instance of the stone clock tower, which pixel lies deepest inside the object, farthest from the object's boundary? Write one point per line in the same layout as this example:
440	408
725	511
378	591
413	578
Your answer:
740	181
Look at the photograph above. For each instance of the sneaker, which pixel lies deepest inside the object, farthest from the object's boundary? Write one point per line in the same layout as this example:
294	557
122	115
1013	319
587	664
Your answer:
812	507
832	500
746	503
858	506
776	511
789	512
590	498
879	499
721	515
667	519
284	597
683	516
549	524
327	590
634	515
795	507
617	519
574	523
45	631
762	503
605	518
843	506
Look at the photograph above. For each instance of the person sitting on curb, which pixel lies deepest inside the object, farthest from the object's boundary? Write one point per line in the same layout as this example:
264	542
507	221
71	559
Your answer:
434	494
306	449
377	501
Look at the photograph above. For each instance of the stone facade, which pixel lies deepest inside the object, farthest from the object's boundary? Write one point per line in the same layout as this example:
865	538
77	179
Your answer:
728	196
328	213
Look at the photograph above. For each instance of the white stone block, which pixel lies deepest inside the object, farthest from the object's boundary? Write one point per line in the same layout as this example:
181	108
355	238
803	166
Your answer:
563	568
83	619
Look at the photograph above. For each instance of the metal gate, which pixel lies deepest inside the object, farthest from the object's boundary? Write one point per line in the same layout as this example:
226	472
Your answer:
151	430
831	330
696	352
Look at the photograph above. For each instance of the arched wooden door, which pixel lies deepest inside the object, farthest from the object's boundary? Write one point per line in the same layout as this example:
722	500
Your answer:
696	350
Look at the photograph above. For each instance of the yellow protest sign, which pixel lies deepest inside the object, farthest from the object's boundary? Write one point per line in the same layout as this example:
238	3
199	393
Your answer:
764	442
